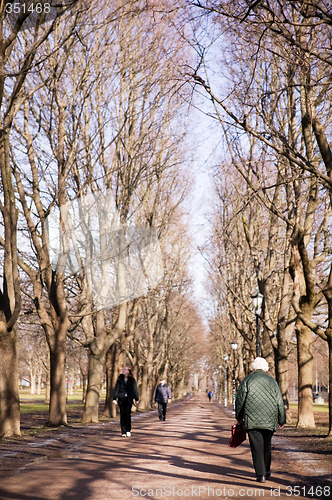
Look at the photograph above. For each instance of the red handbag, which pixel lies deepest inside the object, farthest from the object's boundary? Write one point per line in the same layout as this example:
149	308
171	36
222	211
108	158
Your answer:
238	434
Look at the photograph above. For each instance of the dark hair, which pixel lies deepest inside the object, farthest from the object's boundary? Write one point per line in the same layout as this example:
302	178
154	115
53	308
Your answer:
130	375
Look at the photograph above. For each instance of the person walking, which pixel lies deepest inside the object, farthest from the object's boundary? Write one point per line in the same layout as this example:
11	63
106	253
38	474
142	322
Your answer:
259	403
209	395
163	395
126	393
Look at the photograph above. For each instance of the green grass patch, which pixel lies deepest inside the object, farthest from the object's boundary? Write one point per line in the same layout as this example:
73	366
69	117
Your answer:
26	396
321	408
324	407
33	408
37	407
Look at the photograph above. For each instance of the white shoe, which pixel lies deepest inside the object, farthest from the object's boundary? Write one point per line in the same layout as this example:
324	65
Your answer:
124	435
128	434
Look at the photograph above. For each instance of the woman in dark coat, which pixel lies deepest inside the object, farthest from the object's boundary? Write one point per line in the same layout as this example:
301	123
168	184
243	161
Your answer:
125	392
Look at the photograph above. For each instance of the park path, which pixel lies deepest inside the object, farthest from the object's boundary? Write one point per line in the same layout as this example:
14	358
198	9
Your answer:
187	456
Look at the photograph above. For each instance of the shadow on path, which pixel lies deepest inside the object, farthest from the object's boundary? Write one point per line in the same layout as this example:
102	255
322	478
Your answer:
188	455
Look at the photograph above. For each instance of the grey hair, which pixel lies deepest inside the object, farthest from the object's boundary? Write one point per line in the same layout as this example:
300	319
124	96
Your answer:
260	364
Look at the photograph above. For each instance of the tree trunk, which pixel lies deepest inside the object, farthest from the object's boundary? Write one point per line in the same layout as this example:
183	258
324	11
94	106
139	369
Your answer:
281	368
84	386
48	388
305	366
9	387
76	383
95	375
285	329
10	299
241	371
181	390
144	397
110	410
328	296
39	381
32	381
57	410
154	387
329	341
99	346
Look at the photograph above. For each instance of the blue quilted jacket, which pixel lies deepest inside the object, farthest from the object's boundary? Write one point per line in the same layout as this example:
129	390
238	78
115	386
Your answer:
259	402
163	393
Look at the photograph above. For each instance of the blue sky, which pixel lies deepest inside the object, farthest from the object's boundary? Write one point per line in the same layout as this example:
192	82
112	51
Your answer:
201	201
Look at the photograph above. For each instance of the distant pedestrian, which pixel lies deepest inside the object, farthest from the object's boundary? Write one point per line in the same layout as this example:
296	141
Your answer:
209	395
259	403
126	393
163	395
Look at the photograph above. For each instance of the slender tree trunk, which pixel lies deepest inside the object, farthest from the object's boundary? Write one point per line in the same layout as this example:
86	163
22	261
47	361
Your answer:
9	387
329	341
144	397
241	371
285	329
76	383
39	380
328	296
181	387
32	381
70	386
48	388
154	387
95	375
57	410
10	300
110	410
281	367
84	386
147	367
94	386
305	367
97	359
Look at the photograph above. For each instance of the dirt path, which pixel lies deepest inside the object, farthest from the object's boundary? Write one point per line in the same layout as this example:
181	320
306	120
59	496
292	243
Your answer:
186	456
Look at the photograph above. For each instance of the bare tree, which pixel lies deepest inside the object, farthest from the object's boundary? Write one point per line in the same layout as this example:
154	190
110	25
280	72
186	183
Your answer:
21	44
287	71
131	151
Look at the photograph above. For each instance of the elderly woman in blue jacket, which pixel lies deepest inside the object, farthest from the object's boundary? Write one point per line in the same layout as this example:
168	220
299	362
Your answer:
259	403
163	395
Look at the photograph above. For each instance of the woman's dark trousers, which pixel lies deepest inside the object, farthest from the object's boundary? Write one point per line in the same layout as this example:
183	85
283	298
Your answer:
260	444
125	415
162	411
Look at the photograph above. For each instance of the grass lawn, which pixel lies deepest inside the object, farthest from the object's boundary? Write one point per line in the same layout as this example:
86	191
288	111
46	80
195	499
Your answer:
35	407
321	408
34	403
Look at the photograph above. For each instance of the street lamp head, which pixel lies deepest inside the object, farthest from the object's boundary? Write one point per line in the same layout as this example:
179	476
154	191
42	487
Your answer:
234	345
257	300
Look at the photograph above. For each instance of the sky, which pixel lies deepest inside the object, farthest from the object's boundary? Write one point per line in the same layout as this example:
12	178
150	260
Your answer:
201	204
209	147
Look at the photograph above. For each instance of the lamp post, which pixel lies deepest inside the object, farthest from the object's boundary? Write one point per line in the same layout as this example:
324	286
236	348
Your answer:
234	347
225	359
257	300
